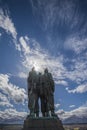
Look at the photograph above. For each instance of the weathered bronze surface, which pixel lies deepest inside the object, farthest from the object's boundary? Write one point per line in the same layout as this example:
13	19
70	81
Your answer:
41	86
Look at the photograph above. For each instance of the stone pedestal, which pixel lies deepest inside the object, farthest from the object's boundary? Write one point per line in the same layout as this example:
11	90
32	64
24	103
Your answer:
43	123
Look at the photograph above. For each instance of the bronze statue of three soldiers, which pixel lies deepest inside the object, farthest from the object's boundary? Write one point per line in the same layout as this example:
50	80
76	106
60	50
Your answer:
41	86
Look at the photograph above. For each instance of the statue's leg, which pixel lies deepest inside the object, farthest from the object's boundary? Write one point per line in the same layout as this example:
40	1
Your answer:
31	105
42	106
36	105
52	105
47	108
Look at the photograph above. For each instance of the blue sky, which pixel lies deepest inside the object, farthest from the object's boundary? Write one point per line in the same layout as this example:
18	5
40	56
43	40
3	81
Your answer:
49	33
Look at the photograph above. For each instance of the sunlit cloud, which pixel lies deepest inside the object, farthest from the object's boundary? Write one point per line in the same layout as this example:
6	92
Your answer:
33	55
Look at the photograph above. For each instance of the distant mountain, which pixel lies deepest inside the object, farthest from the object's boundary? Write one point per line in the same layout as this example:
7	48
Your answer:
75	119
11	121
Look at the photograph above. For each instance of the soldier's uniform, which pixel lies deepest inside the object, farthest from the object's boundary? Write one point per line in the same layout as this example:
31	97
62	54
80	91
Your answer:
32	94
49	92
41	93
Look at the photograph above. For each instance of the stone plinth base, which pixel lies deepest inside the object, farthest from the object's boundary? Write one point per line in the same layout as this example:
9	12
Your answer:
46	123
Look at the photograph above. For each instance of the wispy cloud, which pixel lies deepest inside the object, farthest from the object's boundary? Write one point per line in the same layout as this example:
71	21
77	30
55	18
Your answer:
18	95
25	48
64	15
79	89
64	22
78	70
71	106
76	44
54	12
7	24
0	34
33	55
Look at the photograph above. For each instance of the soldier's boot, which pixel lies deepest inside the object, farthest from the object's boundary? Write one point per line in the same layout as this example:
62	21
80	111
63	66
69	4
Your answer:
47	114
32	114
37	114
43	114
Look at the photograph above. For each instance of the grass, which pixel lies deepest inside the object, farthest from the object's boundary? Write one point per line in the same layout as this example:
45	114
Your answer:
76	128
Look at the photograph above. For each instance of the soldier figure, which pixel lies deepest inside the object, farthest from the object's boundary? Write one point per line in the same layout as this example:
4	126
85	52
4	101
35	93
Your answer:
40	86
49	87
32	93
42	96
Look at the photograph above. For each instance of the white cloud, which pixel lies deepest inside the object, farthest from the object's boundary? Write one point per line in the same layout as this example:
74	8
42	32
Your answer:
12	114
33	55
49	14
62	82
79	89
7	104
25	47
4	101
71	106
79	112
78	69
7	24
14	92
0	34
22	75
60	112
57	105
76	44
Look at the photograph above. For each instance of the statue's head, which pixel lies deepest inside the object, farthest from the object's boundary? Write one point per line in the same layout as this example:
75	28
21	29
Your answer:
46	70
33	69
